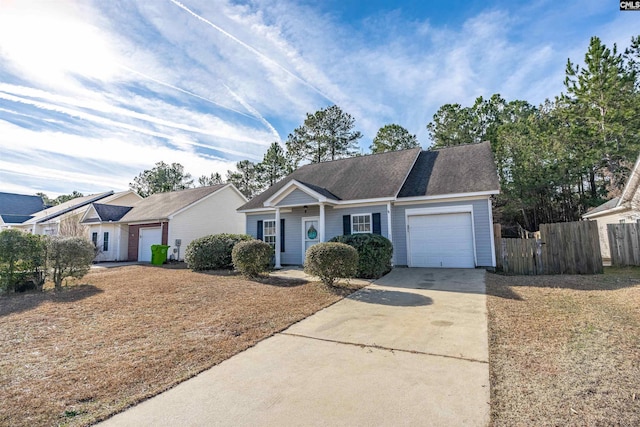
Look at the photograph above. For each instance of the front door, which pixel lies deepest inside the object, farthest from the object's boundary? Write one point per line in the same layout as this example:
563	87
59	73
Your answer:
310	234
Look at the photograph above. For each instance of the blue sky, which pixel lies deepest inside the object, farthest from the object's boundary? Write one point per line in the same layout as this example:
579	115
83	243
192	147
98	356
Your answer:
92	93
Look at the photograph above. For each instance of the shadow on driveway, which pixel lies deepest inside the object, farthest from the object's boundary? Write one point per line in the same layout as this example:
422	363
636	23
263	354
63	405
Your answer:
391	298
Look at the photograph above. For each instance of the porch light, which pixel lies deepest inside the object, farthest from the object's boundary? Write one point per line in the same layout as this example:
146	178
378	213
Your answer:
305	208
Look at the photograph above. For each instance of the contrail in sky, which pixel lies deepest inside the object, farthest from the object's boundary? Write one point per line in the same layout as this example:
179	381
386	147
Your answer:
252	49
184	91
254	111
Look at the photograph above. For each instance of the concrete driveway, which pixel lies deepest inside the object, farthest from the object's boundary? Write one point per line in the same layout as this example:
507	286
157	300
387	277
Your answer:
410	349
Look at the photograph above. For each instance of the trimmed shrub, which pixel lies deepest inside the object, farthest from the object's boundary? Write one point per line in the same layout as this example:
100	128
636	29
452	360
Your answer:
330	261
213	252
69	257
374	251
252	258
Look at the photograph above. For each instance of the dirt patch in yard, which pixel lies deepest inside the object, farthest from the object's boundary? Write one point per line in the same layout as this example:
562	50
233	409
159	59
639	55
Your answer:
565	350
80	355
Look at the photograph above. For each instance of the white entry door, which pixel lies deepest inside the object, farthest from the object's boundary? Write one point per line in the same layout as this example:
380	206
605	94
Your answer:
310	234
148	237
441	240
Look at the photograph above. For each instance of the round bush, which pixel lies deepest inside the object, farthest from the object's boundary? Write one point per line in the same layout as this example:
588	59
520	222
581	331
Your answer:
212	252
374	251
330	261
252	258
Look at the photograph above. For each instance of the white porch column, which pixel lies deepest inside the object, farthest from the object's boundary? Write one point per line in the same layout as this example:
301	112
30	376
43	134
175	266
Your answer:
390	233
278	231
321	224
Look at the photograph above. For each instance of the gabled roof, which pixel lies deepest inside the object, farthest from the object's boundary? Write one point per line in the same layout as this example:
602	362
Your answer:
623	202
162	205
354	178
453	170
111	212
63	208
20	206
604	207
461	169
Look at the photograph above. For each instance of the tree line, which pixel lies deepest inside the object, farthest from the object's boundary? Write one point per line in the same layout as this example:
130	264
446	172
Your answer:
559	159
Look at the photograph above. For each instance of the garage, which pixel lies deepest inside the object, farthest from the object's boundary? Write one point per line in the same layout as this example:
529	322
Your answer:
148	237
443	240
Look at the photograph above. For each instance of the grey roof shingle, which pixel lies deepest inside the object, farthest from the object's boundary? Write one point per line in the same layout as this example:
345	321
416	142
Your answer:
111	212
354	178
20	205
407	173
68	206
452	170
605	206
162	205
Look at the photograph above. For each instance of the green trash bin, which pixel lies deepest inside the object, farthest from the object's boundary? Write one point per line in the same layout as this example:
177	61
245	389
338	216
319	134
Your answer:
159	254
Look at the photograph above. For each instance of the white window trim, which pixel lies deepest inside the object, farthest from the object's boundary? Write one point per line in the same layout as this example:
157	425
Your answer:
370	223
264	231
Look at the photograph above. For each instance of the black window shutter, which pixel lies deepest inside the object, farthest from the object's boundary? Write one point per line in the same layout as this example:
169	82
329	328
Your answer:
377	228
346	224
281	234
259	232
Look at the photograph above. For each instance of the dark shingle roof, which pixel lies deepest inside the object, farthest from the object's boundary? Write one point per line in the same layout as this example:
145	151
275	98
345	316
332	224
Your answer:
407	173
20	204
162	205
452	170
355	178
111	212
15	219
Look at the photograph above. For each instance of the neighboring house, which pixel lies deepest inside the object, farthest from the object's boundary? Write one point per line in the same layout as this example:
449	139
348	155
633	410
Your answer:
434	206
68	214
623	209
18	208
126	232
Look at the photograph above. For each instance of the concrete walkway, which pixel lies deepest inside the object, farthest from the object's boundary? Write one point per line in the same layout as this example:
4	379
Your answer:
410	349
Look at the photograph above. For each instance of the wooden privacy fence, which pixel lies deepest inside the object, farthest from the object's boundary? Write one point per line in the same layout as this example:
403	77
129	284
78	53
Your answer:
624	243
563	248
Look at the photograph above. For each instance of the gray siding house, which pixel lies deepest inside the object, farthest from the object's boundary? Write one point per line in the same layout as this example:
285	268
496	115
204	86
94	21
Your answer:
434	206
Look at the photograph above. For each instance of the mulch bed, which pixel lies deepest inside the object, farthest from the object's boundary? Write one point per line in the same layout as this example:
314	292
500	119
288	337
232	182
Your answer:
565	350
125	334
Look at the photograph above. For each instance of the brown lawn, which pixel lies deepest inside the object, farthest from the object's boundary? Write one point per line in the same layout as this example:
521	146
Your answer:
565	350
128	333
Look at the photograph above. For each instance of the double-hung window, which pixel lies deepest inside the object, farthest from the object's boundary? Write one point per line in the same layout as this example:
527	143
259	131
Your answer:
269	232
361	223
94	239
105	242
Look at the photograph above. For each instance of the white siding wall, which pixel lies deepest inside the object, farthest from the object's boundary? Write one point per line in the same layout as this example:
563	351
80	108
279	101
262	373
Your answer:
215	214
614	218
118	241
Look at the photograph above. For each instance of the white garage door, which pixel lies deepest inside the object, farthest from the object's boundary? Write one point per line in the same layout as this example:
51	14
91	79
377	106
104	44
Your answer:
441	240
148	237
